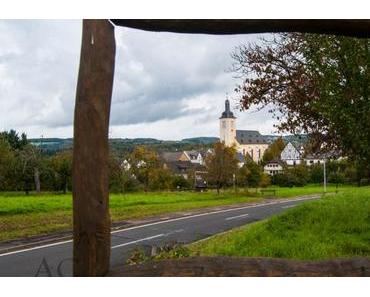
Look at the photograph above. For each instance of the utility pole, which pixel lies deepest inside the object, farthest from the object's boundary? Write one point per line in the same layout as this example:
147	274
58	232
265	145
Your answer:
234	182
91	219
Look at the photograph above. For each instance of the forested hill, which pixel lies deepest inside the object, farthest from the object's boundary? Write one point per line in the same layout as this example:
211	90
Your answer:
52	145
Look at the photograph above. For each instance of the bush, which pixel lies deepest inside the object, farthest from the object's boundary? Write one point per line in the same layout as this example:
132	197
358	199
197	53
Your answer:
179	182
265	180
296	176
159	179
317	174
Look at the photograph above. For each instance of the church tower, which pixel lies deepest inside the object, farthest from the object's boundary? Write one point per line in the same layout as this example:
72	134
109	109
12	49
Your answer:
227	126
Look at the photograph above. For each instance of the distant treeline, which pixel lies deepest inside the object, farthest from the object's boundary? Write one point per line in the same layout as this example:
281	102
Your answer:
51	146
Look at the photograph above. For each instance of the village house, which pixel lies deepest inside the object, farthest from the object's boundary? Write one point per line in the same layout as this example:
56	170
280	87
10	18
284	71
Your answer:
181	163
273	167
291	155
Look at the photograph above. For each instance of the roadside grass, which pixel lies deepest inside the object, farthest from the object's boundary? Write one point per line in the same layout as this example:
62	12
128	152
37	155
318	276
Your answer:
22	216
336	226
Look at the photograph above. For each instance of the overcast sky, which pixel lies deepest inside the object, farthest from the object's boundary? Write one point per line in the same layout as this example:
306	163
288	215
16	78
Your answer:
167	86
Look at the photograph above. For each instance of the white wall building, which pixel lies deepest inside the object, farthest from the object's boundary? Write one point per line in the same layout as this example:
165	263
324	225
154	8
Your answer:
273	167
291	155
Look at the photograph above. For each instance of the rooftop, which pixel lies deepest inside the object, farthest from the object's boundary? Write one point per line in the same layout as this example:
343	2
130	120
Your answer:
250	137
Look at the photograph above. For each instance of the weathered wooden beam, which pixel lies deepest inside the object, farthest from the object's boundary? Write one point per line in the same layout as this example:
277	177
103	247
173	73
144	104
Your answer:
91	220
355	28
231	266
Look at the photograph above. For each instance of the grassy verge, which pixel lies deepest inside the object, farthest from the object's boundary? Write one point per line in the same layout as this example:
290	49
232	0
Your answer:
336	226
22	216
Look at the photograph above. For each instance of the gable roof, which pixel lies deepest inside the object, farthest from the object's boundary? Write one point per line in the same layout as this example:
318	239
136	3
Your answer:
250	137
193	155
275	161
171	156
181	167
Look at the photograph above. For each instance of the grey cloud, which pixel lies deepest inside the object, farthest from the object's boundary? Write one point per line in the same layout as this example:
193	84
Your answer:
158	76
157	72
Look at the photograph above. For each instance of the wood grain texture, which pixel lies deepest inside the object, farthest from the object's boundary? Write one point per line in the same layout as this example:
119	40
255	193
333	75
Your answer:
91	220
355	28
231	266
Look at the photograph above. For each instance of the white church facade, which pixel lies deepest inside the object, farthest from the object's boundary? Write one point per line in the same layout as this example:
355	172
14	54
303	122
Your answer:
249	142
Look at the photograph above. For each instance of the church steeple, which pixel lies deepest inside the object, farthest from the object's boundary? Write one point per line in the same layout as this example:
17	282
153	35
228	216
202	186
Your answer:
227	125
227	113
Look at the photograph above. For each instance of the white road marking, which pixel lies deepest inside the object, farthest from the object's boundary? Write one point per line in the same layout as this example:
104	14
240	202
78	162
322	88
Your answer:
136	241
174	232
236	217
289	206
166	221
36	248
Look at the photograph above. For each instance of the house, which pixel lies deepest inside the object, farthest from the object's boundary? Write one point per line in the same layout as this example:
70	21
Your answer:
179	167
191	156
194	157
174	156
320	158
249	142
291	155
273	167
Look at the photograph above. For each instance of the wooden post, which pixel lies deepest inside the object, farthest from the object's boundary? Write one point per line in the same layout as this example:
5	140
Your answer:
91	220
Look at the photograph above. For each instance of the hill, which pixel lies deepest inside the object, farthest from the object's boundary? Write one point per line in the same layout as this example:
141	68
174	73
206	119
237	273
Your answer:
53	145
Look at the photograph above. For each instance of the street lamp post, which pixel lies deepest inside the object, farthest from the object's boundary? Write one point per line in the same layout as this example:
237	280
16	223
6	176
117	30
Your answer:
324	176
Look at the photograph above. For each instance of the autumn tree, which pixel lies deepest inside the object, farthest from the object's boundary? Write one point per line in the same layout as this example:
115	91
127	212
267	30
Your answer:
221	165
317	84
274	150
143	161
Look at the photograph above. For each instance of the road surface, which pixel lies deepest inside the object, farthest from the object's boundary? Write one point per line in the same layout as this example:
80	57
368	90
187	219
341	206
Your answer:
55	259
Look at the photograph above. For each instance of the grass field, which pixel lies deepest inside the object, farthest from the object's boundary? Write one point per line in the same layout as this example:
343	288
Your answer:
22	215
336	226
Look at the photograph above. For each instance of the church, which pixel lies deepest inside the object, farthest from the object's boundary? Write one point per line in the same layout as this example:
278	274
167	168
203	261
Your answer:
249	142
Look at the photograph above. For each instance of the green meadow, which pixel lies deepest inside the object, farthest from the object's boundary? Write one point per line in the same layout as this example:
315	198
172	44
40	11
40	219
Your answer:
22	216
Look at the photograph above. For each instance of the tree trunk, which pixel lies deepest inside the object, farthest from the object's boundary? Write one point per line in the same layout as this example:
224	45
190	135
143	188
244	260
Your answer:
91	221
37	180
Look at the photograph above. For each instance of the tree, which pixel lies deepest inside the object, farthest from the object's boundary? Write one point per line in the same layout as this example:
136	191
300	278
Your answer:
221	165
159	179
120	176
242	176
6	161
255	172
274	150
143	161
15	142
27	168
62	166
318	84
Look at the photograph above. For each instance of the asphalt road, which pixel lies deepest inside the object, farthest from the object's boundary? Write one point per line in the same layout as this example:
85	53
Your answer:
56	259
